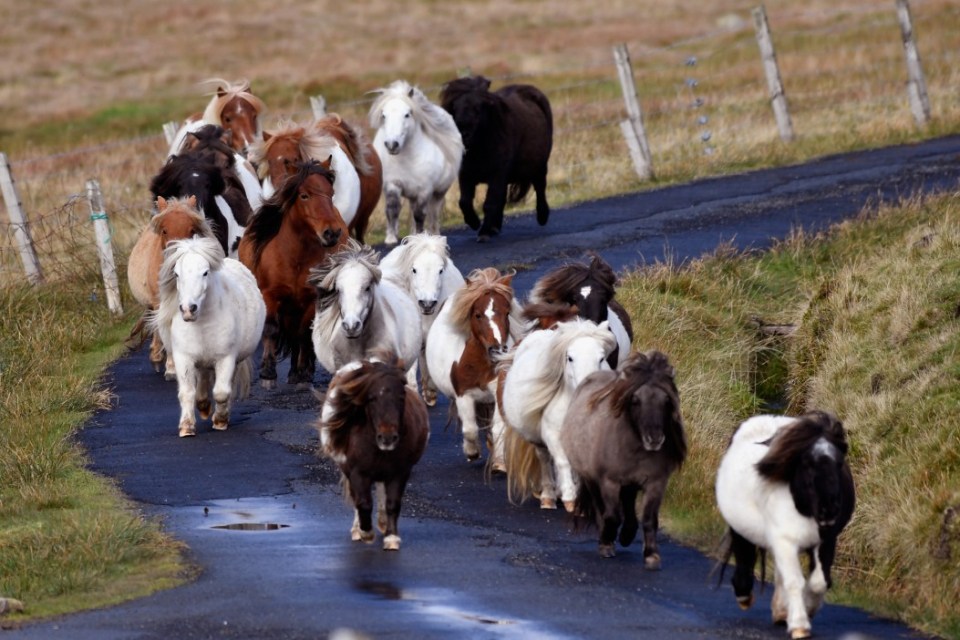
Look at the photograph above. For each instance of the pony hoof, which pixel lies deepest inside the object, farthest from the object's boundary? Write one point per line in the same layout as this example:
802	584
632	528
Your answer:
268	384
430	398
652	562
187	432
498	467
158	367
220	426
548	503
745	602
367	536
203	408
483	238
169	375
607	550
391	543
569	505
800	633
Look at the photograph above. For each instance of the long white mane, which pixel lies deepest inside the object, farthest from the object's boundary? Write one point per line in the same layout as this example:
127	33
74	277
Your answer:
324	277
435	122
208	248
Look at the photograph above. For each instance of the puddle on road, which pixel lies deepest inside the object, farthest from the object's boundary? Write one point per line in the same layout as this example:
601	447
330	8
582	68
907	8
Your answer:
251	526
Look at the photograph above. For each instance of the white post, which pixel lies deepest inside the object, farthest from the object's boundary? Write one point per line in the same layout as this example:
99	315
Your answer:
170	131
916	84
632	128
319	106
21	232
104	247
777	97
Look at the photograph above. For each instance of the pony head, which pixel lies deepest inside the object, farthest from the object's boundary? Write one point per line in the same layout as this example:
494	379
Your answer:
177	219
482	308
371	392
187	266
472	106
588	287
235	109
394	115
423	260
348	279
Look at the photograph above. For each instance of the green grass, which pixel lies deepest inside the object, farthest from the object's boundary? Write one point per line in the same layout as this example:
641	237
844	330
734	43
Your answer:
875	305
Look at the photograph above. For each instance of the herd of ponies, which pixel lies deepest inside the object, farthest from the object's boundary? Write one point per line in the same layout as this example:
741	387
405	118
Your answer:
257	242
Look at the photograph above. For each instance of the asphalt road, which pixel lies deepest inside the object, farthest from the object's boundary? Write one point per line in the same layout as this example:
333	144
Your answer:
472	565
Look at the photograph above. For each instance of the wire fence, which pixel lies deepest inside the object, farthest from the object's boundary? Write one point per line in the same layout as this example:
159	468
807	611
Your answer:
705	108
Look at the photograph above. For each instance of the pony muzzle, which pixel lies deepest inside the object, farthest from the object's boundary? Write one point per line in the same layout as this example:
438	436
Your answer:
427	307
387	441
188	313
352	329
329	237
392	146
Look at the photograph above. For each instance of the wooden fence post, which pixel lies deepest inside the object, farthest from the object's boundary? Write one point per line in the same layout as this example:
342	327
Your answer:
632	128
101	227
170	131
916	84
21	232
319	106
777	97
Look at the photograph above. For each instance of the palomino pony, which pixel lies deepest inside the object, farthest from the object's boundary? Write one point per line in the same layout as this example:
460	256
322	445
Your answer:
360	313
295	230
175	220
232	107
421	150
539	378
211	317
785	485
508	136
197	174
421	264
590	288
376	429
623	433
342	147
473	326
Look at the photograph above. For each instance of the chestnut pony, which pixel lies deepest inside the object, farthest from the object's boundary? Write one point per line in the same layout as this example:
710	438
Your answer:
294	231
233	107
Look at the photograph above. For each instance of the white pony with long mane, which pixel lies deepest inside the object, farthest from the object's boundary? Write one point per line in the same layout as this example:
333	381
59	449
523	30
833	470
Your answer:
541	376
211	317
360	313
421	263
420	148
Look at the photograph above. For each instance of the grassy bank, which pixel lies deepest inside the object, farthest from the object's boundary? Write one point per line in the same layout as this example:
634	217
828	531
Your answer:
875	306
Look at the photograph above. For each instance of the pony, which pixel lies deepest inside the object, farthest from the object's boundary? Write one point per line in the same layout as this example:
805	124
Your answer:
590	288
295	230
421	264
175	220
233	107
358	312
375	428
475	324
200	176
342	147
784	484
421	150
508	136
623	433
538	380
211	317
214	142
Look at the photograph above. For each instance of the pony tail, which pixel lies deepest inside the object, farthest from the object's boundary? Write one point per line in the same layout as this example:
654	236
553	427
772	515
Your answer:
523	467
242	378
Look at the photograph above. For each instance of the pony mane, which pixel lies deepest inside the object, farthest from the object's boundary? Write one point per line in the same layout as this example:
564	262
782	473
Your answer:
478	283
549	378
229	91
353	139
414	246
324	278
794	439
207	247
266	224
641	369
353	387
210	139
535	313
571	276
311	143
460	87
433	120
181	205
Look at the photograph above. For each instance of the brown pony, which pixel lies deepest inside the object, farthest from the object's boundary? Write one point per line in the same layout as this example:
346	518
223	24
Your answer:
175	220
622	434
342	148
375	428
232	107
294	231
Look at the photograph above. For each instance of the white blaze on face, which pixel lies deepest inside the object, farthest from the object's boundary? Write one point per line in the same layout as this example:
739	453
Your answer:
494	329
824	447
585	291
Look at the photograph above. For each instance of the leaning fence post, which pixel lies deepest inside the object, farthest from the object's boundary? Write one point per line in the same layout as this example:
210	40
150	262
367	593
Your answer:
170	131
319	106
777	97
21	231
101	227
916	85
632	128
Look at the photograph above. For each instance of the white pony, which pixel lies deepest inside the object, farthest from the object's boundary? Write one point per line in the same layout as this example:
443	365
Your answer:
211	317
420	148
360	313
536	383
422	265
784	485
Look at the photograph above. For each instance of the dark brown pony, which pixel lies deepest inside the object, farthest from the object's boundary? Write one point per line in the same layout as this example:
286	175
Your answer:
292	142
591	289
623	433
508	136
294	231
375	428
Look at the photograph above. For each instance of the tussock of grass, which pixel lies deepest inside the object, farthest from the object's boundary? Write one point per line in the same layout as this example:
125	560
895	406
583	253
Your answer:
875	304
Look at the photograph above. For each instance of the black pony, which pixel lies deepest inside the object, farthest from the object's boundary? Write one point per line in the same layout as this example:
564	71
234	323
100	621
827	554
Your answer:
507	136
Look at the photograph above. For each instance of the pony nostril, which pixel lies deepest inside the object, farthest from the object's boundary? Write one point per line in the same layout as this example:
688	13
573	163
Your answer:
330	236
427	305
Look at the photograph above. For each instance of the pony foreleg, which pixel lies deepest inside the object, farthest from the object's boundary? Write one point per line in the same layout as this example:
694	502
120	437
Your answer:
363	503
548	484
610	517
268	363
540	188
433	209
187	394
429	389
467	410
816	585
381	506
568	486
222	392
497	434
392	198
628	504
652	496
745	558
419	212
203	392
412	377
393	497
493	205
468	191
790	586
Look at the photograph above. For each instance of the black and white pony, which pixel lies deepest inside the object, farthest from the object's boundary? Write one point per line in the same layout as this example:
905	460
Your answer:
784	485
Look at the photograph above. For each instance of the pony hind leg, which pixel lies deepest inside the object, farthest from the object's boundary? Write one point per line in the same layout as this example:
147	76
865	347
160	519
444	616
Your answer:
540	188
434	208
611	517
187	395
393	204
268	363
468	191
652	497
360	486
223	392
204	384
548	484
568	485
493	205
157	352
745	558
628	503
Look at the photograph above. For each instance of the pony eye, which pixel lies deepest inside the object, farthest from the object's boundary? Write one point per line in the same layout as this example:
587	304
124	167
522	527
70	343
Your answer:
304	196
414	269
205	273
368	288
407	116
569	358
441	269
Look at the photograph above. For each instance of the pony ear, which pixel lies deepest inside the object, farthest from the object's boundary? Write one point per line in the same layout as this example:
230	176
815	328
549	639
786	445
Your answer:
192	201
266	136
161	203
326	163
410	93
221	91
604	325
